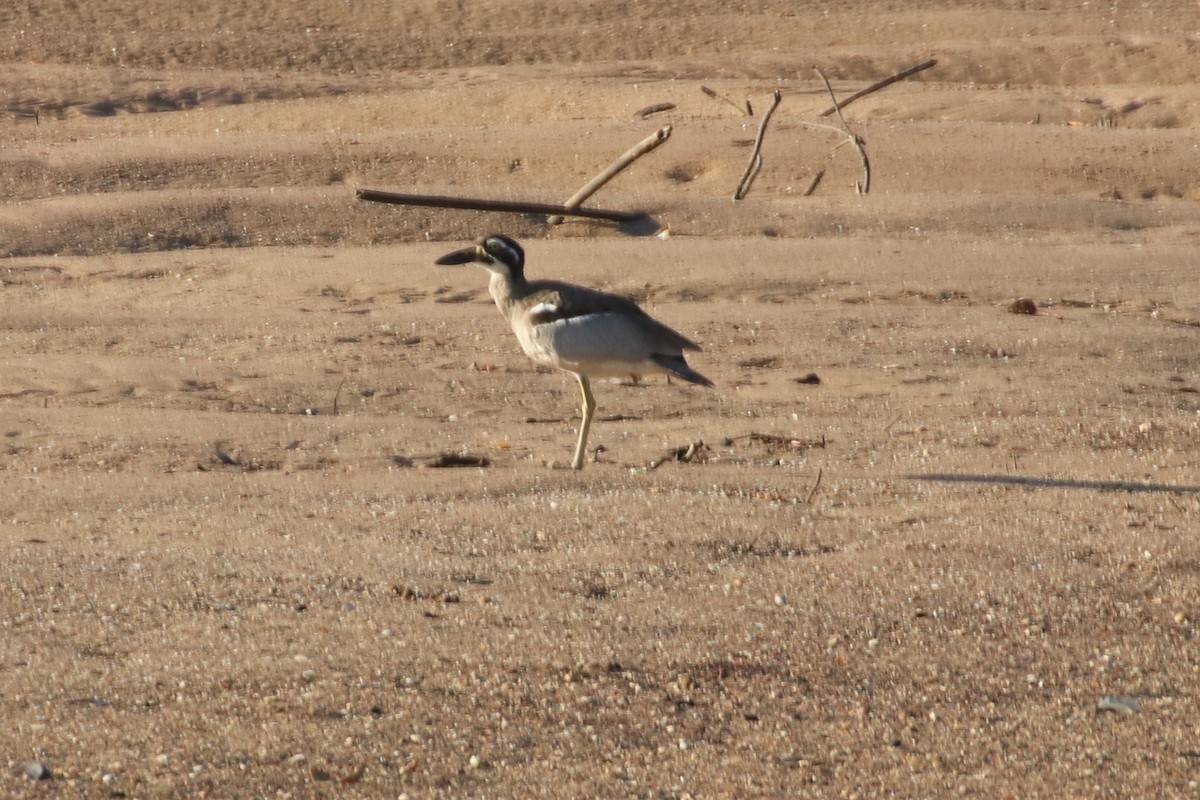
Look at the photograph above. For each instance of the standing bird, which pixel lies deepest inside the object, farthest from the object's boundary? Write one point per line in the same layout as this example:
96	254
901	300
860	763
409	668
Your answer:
589	333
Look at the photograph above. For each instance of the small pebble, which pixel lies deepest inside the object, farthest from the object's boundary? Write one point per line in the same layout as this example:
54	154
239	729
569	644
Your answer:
474	762
781	600
1119	704
37	771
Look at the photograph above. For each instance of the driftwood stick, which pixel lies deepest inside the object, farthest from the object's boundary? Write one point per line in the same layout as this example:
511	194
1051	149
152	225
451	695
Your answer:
864	185
632	154
657	108
875	87
755	164
480	204
812	184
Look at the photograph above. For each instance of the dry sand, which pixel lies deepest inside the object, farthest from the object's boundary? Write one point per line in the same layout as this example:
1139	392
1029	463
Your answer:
229	575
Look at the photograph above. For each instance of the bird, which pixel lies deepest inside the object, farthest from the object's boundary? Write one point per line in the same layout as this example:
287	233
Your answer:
587	332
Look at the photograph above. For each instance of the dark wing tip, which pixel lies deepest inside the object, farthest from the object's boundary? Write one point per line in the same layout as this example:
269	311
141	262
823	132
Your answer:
680	369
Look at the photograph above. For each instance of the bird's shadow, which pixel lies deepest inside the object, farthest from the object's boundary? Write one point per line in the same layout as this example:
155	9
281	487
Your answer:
643	225
1040	482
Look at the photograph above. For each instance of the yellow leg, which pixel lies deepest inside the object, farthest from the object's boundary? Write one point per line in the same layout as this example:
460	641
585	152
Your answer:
589	406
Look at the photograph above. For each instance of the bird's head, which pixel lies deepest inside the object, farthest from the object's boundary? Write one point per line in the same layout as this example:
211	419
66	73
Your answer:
496	253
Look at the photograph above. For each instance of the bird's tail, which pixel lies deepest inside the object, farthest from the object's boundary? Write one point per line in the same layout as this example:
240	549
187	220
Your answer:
680	369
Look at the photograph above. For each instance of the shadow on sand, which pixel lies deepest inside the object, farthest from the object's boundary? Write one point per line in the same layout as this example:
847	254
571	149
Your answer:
1055	483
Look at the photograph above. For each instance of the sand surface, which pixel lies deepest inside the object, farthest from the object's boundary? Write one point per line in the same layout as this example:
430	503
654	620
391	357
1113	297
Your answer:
231	570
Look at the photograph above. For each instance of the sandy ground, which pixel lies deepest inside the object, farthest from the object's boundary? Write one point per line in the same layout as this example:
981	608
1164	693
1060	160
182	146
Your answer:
232	572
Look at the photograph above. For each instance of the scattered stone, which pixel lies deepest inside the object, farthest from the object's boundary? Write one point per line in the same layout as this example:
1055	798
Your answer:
37	771
811	379
1119	704
1023	305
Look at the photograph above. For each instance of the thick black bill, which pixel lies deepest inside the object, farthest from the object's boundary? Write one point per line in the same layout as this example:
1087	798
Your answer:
464	256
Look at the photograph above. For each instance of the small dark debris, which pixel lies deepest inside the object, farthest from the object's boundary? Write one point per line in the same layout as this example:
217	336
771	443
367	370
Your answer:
773	441
696	452
761	362
452	460
442	461
435	595
472	579
811	379
1023	305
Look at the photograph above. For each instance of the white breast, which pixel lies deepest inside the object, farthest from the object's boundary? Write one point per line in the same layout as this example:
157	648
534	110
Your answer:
597	345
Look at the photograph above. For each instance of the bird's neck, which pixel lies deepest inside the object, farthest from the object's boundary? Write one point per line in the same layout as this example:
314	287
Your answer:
506	291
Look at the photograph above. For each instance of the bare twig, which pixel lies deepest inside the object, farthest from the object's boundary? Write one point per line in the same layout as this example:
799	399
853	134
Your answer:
755	164
480	204
715	96
812	185
875	87
632	154
864	186
814	488
338	394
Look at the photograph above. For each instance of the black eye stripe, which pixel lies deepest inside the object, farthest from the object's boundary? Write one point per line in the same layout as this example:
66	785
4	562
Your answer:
503	251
